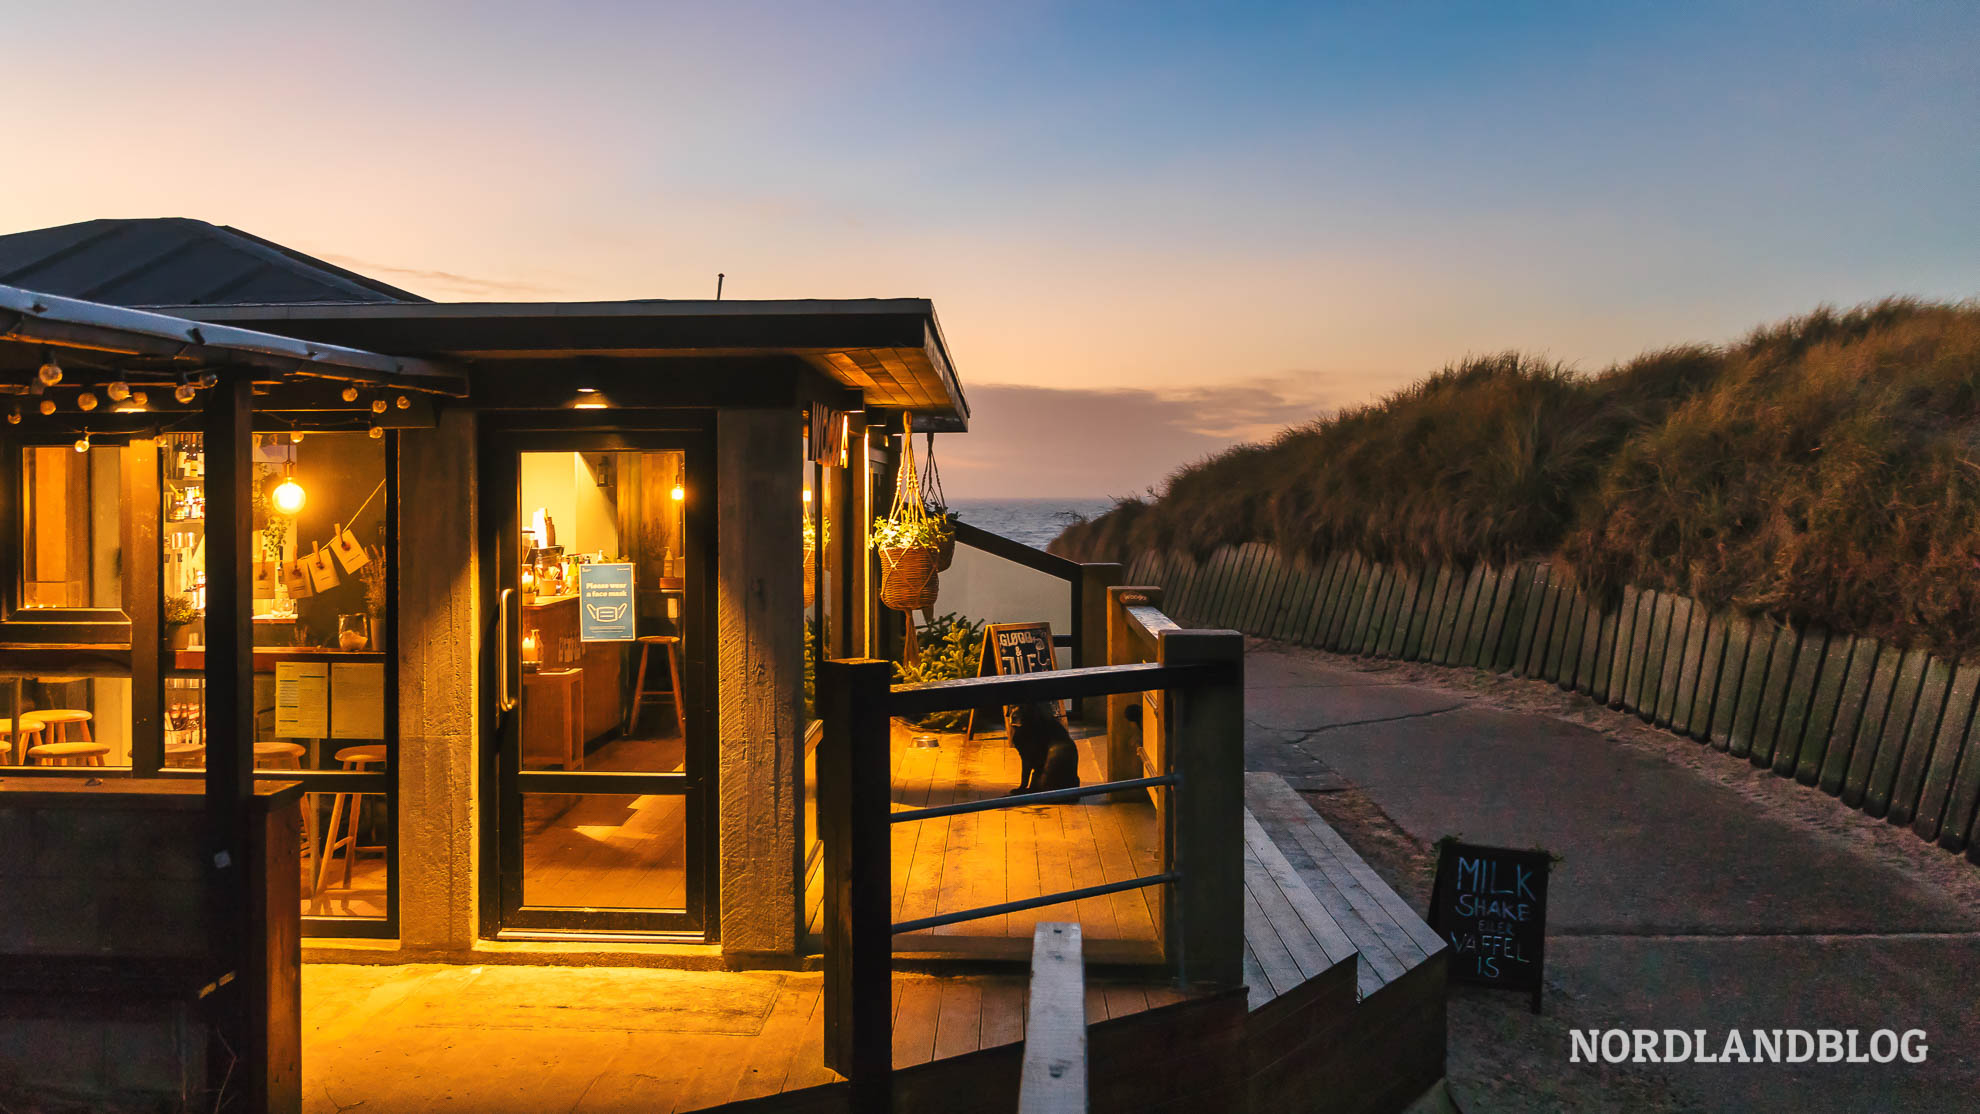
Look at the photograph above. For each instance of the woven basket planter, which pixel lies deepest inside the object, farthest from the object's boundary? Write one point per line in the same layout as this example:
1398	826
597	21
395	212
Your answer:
945	553
908	578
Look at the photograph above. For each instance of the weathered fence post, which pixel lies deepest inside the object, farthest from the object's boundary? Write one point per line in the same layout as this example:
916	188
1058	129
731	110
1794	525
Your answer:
1090	598
1053	1079
852	826
1205	921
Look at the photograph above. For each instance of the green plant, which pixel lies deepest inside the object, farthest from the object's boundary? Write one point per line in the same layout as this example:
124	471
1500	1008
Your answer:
926	533
817	532
179	611
951	646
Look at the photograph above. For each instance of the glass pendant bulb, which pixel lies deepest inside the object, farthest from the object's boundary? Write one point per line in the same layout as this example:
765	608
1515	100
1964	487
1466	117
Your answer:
50	373
118	391
87	401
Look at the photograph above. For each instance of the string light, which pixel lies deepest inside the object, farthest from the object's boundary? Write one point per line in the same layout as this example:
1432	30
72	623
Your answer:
87	401
208	378
184	392
50	373
118	391
375	432
82	443
295	436
378	406
14	416
403	403
47	406
350	394
140	399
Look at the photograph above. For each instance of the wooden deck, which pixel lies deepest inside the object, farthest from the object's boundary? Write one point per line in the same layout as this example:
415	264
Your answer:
964	862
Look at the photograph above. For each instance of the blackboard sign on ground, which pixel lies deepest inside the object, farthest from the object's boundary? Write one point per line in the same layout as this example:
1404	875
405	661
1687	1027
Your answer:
1490	903
1010	649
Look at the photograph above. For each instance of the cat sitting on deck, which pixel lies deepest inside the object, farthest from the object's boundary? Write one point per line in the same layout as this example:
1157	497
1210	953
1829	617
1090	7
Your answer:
1045	749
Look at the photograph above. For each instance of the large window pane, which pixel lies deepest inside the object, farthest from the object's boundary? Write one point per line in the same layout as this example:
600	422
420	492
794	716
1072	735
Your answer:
604	851
71	524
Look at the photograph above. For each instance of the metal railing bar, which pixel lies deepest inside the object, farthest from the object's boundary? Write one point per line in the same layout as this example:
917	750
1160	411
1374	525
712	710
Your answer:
912	701
1020	800
958	917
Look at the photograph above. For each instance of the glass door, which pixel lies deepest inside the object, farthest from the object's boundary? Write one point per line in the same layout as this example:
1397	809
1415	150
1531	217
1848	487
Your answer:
600	547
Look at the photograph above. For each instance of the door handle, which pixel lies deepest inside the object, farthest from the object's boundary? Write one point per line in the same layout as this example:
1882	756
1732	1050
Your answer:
505	700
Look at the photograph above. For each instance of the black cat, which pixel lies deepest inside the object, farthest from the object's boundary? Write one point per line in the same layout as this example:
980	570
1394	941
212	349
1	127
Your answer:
1045	749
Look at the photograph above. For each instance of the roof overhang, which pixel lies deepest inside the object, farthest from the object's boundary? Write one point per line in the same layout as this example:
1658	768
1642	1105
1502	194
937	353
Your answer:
889	350
115	337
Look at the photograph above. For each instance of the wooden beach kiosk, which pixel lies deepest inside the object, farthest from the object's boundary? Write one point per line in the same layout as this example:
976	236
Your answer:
373	668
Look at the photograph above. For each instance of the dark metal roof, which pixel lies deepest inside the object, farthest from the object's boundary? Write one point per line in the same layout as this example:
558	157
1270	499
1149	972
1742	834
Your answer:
177	261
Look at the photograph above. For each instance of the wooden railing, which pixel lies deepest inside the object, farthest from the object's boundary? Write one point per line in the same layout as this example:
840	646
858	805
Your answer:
1199	676
1054	1074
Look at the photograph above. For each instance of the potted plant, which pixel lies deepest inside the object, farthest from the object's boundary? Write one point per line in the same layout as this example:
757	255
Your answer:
180	617
909	550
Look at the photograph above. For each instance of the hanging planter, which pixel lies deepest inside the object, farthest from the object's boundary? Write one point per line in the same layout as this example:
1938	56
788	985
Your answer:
909	539
937	504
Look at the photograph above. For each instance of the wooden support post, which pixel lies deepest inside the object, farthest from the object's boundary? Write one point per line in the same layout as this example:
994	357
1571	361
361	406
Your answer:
1127	741
1204	924
1053	1079
145	604
243	967
853	827
1089	623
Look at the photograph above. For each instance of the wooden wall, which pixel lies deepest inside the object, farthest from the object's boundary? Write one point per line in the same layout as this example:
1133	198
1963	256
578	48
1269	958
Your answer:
1883	728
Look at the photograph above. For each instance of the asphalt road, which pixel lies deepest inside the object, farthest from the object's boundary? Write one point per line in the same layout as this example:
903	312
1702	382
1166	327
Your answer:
1693	891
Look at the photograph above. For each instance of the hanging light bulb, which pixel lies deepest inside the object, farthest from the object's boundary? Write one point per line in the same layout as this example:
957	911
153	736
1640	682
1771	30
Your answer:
375	432
289	496
118	390
14	416
47	406
50	373
378	406
350	394
807	495
208	378
140	399
87	401
295	436
184	392
680	490
403	403
82	443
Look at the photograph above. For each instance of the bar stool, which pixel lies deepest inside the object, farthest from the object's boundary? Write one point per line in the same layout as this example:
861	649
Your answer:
344	809
671	645
29	726
285	756
59	749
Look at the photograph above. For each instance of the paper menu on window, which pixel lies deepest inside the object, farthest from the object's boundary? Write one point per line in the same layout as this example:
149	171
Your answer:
302	699
357	700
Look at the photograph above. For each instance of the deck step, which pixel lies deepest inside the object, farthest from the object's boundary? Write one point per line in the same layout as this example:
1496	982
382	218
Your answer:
1389	936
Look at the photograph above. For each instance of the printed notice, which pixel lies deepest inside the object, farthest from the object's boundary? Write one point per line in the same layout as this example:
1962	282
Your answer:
357	700
605	592
302	699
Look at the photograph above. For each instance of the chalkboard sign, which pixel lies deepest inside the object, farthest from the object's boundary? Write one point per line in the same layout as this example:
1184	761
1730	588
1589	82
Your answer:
1490	903
1010	649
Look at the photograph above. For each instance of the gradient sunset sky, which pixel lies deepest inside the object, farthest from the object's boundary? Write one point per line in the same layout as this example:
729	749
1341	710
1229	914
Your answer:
1149	229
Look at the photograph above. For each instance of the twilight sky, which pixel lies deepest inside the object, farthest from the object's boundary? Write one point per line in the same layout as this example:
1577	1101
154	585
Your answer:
1149	229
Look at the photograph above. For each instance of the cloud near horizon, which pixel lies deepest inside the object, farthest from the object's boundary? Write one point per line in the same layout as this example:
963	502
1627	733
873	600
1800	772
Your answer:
1088	442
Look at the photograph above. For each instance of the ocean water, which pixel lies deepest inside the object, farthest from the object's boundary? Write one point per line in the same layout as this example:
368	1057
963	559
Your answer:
1031	521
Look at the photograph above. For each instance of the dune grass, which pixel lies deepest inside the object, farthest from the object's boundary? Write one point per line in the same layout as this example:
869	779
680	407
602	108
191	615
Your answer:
1826	468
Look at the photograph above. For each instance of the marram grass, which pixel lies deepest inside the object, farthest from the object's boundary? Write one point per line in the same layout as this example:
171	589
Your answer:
1826	468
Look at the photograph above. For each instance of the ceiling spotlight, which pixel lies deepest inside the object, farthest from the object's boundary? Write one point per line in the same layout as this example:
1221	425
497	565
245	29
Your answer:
47	406
50	373
209	378
375	432
118	391
403	403
82	443
184	392
378	406
350	394
87	401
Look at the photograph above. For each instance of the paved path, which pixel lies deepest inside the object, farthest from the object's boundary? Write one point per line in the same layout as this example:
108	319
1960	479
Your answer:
1689	896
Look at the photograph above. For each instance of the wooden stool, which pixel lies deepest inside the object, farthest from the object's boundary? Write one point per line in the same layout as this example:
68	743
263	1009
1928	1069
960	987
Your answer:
286	756
58	720
672	645
343	807
29	726
184	755
69	754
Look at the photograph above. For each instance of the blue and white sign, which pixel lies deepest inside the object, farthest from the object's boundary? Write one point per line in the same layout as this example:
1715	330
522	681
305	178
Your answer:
605	603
